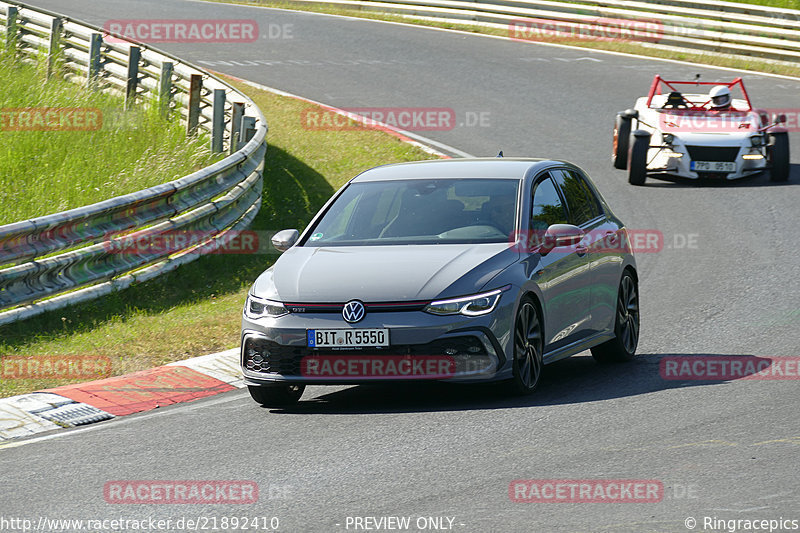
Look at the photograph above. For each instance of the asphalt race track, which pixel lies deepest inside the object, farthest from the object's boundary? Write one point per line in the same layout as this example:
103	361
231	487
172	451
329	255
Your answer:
727	282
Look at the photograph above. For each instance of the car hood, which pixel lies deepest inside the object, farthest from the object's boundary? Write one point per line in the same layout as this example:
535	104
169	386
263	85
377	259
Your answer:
382	273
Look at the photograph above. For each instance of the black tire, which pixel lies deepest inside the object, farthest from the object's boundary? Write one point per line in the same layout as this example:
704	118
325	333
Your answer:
637	164
626	325
622	134
778	152
528	348
277	394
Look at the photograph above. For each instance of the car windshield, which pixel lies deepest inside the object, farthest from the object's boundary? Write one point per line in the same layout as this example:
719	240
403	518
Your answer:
421	211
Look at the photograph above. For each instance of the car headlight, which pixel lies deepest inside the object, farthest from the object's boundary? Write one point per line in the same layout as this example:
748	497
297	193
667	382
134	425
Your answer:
668	138
757	140
475	305
261	307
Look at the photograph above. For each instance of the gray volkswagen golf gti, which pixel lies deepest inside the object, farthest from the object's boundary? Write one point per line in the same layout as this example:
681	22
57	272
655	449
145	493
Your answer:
456	270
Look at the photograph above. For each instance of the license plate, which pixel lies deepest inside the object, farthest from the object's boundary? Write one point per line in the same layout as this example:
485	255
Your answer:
347	338
713	166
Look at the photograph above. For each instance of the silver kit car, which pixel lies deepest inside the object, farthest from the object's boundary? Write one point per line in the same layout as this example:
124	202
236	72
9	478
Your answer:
456	270
678	131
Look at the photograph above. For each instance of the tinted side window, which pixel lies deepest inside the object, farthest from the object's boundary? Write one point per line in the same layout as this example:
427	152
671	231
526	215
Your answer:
547	208
597	209
581	203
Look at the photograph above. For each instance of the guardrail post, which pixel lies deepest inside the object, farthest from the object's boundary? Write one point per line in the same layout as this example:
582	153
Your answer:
218	121
248	130
94	58
195	86
134	56
237	111
165	88
55	44
11	28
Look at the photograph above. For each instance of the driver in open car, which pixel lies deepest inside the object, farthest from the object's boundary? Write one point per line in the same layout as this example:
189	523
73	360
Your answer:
720	98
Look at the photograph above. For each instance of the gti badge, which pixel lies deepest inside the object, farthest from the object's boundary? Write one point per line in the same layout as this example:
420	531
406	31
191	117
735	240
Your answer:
353	311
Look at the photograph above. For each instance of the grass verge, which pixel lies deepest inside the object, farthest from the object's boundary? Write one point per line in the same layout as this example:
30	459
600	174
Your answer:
108	152
196	309
786	4
624	47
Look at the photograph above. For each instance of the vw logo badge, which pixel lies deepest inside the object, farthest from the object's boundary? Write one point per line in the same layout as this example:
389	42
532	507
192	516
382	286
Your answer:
353	311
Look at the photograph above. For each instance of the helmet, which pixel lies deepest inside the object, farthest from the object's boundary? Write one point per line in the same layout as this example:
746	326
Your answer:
720	97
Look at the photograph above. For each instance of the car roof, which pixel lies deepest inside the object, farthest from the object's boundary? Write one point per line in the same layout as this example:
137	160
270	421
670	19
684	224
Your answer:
485	167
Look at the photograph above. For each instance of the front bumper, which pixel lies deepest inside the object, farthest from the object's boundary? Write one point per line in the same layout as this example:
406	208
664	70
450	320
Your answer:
443	348
659	163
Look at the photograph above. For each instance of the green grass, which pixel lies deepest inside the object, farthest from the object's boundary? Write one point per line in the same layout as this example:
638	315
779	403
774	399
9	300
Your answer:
43	172
754	64
787	4
196	309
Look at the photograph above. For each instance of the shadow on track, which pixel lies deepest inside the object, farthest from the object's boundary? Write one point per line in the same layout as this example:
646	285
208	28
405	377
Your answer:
577	379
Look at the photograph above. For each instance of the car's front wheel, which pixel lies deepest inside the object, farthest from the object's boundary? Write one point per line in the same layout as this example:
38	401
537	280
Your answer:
619	148
626	325
778	152
528	348
276	394
637	162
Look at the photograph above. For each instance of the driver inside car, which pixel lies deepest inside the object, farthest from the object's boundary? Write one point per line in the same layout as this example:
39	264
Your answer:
720	98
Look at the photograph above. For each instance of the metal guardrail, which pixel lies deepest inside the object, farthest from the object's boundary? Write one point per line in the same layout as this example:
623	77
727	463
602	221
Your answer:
703	26
64	258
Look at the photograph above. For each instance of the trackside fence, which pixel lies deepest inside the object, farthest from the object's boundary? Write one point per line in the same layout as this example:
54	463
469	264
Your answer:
744	31
64	258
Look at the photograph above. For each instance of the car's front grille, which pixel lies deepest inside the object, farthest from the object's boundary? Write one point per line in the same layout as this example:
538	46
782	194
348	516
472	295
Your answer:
373	307
262	355
713	153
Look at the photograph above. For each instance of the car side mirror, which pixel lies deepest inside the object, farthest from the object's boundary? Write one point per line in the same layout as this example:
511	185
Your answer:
560	235
283	240
779	119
